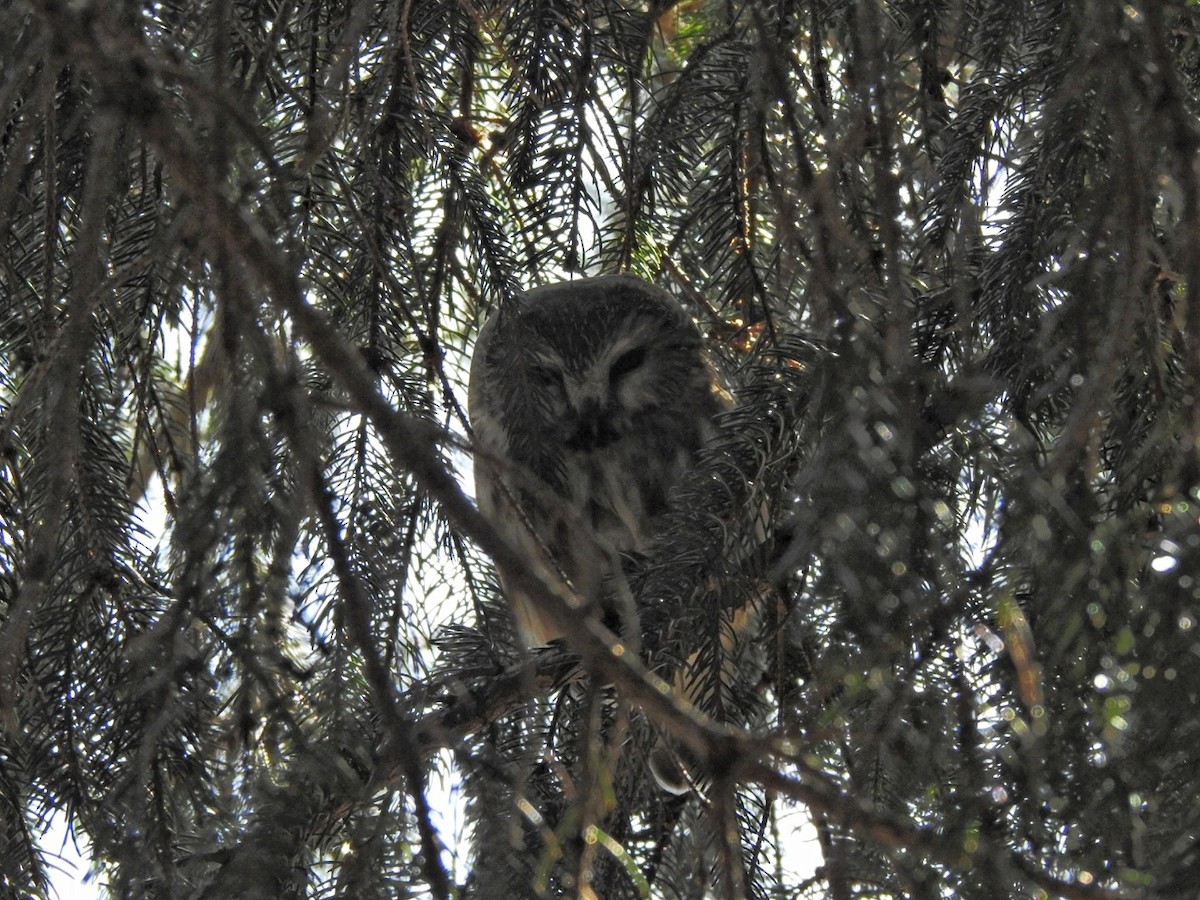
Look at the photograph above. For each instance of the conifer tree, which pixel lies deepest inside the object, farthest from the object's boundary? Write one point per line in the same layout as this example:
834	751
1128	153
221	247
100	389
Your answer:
252	642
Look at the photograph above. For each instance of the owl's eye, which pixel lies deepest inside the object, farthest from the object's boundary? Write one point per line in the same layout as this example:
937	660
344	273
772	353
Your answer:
545	376
626	363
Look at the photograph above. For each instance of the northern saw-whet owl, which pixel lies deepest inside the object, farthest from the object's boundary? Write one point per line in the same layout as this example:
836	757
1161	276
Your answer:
588	400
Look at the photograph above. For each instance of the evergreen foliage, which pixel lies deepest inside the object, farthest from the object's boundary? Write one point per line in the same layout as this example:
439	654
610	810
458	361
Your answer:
948	251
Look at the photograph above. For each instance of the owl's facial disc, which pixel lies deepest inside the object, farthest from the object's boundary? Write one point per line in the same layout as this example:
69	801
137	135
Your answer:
591	427
603	399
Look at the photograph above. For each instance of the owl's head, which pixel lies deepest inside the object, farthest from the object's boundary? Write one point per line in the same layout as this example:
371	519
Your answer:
578	367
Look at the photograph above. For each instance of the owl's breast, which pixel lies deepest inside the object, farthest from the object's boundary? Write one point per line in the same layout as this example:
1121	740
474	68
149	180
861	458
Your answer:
621	488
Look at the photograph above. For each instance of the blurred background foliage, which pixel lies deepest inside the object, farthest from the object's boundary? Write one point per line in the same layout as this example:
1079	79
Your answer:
948	252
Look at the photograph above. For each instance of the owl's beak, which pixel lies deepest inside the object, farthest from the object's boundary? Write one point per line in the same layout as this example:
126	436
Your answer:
590	427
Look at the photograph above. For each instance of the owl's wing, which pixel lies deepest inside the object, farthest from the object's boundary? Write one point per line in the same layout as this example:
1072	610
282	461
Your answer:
523	511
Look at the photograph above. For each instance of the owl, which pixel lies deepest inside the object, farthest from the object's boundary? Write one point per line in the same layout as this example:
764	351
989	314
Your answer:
588	400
